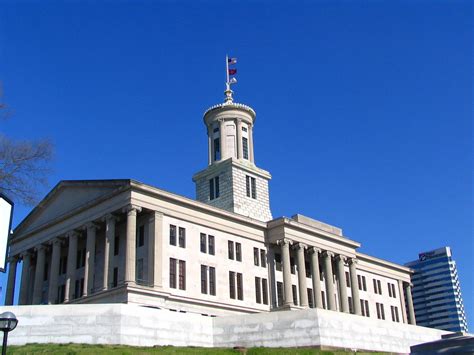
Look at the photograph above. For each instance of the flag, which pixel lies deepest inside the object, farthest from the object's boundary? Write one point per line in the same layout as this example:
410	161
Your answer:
231	60
232	80
232	71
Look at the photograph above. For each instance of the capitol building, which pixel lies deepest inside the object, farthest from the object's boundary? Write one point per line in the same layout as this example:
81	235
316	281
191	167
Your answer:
123	242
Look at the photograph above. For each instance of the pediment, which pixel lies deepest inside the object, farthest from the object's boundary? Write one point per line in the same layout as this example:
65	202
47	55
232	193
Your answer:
66	197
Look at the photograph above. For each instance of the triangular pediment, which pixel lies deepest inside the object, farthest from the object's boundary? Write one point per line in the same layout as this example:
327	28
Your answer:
67	197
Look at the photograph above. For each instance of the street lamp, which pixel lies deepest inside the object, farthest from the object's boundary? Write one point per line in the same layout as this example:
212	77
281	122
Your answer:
8	322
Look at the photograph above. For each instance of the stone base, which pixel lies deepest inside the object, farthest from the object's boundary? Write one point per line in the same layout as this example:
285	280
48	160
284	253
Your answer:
143	326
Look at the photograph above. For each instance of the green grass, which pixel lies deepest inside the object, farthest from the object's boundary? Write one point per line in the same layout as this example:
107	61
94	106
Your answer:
73	349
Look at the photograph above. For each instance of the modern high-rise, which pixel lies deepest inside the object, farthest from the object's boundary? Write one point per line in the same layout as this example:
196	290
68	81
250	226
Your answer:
437	292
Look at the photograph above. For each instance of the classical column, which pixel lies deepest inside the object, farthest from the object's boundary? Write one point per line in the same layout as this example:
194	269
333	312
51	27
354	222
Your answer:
411	310
328	276
11	280
341	279
71	266
402	302
110	220
155	249
285	257
130	248
25	274
222	137
39	274
90	259
250	134
209	144
354	286
240	152
53	280
302	274
315	278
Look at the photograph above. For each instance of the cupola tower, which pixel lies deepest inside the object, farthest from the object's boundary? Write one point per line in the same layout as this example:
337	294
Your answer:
232	181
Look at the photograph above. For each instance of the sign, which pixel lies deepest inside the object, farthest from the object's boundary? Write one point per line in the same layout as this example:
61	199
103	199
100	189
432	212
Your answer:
6	214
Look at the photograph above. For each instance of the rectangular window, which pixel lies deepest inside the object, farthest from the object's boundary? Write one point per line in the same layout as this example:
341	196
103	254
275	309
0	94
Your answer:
364	285
182	237
280	293
230	247
141	236
204	279
389	290
379	284
238	252
292	266
140	279
212	280
323	298
367	311
172	273
258	294
307	268
263	258
211	247
251	186
255	256
351	306
217	149
295	296
310	298
278	265
245	147
380	311
63	266
359	281
203	243
116	245
115	279
214	188
182	275
61	293
265	291
172	234
348	280
362	307
375	286
232	284
240	286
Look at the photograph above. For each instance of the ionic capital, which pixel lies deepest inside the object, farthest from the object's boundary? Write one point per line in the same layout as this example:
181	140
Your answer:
25	254
72	234
284	241
110	217
40	247
327	254
131	209
352	261
299	246
313	250
13	259
55	241
340	258
91	225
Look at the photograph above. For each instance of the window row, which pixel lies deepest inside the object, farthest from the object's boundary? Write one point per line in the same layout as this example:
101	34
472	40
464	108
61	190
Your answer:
208	280
251	186
261	290
391	290
377	287
380	310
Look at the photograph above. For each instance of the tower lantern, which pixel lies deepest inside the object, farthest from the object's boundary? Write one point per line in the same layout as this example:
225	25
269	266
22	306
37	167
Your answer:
232	181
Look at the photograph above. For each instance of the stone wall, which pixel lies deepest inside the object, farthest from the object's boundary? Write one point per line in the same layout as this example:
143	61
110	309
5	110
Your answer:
142	326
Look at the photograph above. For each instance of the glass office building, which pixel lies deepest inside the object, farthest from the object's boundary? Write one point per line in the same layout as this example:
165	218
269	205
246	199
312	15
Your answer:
436	291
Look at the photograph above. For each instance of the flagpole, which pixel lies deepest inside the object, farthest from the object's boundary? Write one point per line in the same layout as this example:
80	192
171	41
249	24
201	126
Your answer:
227	71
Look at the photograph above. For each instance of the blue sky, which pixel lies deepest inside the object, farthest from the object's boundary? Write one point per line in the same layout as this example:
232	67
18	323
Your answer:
364	108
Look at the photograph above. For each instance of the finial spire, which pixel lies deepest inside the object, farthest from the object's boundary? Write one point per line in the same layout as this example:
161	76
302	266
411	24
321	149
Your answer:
229	81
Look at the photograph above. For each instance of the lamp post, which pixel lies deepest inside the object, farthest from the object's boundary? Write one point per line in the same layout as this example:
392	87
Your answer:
8	322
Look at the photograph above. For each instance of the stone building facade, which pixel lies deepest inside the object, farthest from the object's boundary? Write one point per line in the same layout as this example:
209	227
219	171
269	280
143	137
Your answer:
122	241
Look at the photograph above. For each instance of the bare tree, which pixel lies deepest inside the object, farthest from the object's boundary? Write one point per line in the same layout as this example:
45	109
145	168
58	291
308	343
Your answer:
24	166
